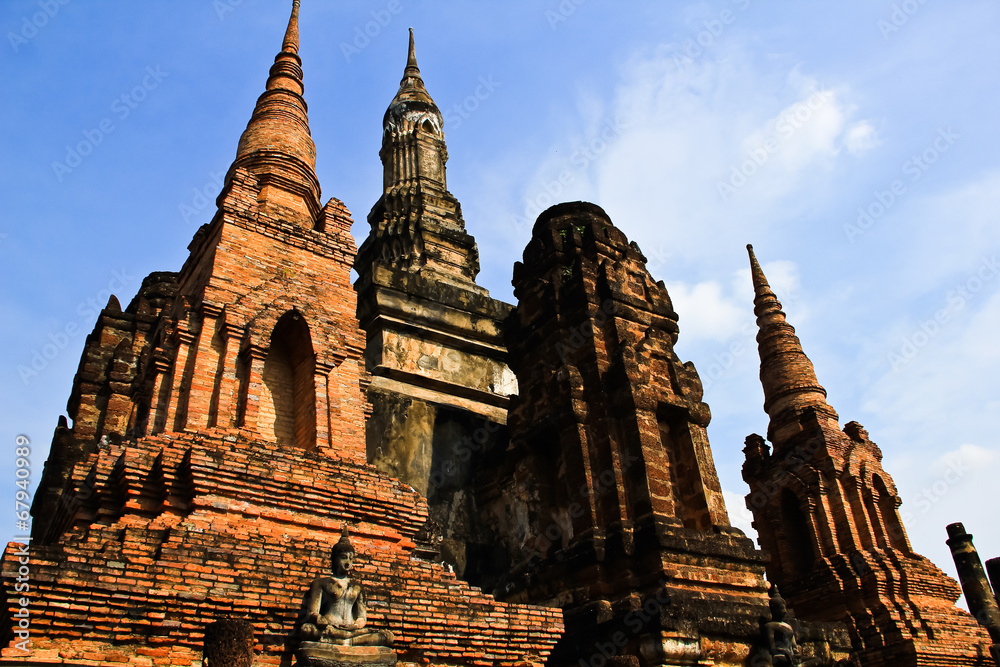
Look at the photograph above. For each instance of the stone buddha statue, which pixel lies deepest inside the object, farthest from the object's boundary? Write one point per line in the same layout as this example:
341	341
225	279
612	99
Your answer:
334	611
782	647
780	634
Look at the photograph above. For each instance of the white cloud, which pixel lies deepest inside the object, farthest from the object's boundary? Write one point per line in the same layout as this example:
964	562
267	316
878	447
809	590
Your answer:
713	311
715	148
971	456
708	314
861	137
782	276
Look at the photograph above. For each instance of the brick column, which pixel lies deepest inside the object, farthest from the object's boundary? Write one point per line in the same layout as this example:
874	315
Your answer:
205	364
227	385
847	516
867	535
710	487
322	377
158	404
810	512
251	388
177	406
830	543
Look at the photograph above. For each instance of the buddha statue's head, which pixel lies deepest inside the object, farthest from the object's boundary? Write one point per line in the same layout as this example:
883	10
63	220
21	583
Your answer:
343	555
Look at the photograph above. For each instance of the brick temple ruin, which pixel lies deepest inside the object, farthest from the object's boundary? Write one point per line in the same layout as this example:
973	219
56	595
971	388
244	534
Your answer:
253	440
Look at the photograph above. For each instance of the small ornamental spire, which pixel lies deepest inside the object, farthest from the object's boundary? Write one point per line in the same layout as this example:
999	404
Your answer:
286	72
759	279
412	92
786	374
411	58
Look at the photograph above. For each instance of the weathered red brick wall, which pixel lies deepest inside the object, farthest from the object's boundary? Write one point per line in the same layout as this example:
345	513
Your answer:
182	530
212	362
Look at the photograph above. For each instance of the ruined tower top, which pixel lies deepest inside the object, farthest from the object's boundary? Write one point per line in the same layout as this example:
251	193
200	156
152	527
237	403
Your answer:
412	98
787	375
417	225
277	146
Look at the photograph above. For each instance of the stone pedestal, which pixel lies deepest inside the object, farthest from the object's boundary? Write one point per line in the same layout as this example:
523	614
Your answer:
322	654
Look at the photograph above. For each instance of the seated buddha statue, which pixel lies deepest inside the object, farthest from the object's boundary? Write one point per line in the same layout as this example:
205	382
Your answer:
334	610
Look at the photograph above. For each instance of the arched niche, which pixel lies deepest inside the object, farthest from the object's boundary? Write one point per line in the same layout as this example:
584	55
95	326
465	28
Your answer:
288	392
798	543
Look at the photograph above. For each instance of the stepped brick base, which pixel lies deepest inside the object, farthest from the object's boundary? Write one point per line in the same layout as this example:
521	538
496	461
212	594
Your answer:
184	529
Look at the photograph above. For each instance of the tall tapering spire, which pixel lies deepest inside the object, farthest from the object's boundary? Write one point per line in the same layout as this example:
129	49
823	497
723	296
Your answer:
291	43
277	146
411	57
787	375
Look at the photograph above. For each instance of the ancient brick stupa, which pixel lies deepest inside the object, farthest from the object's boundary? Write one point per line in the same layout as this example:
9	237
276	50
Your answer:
826	512
609	479
217	448
435	338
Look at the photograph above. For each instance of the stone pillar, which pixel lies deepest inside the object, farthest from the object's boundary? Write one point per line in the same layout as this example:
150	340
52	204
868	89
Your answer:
229	642
993	570
978	593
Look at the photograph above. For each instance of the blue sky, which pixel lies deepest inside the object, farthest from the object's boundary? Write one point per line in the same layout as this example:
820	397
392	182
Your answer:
852	142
